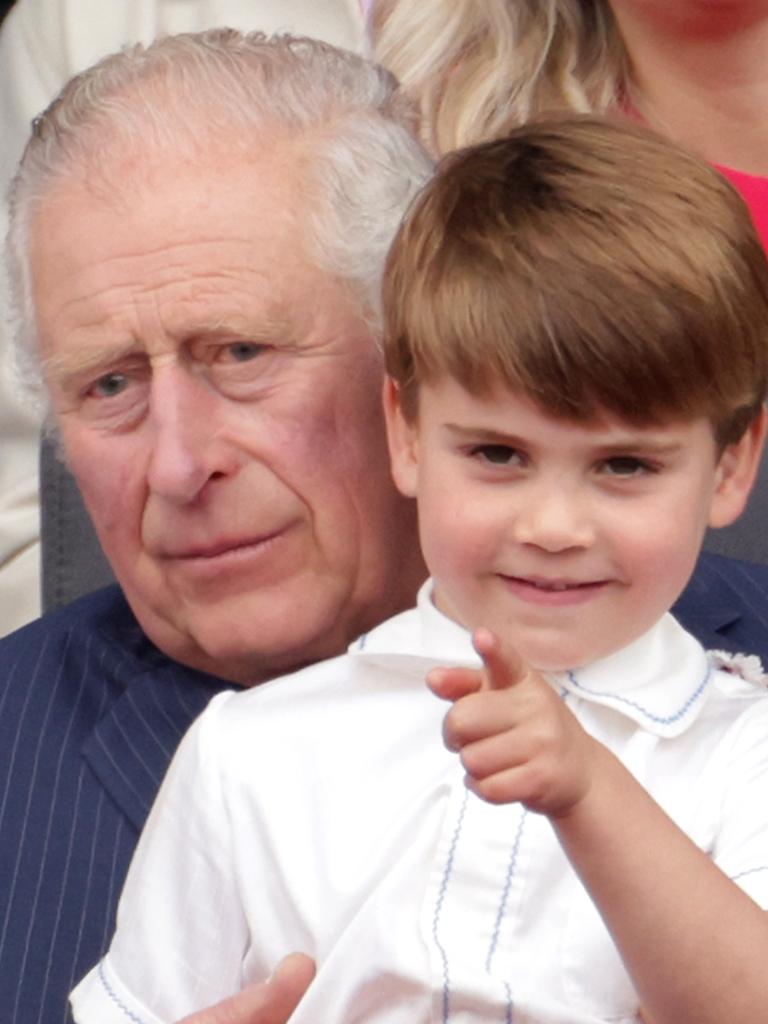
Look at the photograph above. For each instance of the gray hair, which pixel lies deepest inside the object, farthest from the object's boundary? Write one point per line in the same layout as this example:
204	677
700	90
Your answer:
364	167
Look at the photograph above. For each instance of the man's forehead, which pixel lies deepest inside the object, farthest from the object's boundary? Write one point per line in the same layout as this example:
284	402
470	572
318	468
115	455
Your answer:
198	248
170	187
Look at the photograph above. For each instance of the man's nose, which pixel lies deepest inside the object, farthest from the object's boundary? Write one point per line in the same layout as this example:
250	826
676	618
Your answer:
555	515
187	447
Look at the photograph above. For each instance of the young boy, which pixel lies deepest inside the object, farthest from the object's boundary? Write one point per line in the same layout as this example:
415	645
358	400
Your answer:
577	348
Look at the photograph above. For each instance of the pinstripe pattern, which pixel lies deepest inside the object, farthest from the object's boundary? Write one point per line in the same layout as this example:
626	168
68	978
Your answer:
90	715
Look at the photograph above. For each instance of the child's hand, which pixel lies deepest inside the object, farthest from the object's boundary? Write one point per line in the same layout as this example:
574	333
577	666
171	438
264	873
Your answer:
516	738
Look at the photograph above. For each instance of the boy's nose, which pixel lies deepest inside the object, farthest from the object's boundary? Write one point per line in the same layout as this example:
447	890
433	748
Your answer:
555	518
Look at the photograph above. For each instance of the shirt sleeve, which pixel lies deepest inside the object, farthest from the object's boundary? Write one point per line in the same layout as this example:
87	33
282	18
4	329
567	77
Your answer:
741	848
181	933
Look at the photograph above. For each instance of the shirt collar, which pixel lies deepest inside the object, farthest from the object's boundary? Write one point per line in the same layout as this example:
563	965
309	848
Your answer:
658	681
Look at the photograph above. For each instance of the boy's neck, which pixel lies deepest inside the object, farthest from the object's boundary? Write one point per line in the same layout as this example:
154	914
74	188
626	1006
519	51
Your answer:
702	80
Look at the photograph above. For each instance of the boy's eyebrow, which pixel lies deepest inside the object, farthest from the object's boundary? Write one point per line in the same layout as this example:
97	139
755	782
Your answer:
647	443
486	434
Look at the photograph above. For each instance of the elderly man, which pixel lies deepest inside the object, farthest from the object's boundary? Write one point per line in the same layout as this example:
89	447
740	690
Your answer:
42	44
197	235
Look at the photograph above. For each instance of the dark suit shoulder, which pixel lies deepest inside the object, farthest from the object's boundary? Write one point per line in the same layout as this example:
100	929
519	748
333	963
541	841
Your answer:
725	605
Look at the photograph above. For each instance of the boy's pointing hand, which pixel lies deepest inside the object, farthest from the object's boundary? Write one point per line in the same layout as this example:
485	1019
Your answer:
517	740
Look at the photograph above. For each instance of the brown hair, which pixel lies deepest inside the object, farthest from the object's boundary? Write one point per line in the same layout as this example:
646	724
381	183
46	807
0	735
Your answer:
591	266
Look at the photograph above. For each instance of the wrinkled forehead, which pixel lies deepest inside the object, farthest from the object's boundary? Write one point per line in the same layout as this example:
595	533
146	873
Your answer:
181	249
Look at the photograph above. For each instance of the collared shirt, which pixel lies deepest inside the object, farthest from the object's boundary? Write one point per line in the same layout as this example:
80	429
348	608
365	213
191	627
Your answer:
321	812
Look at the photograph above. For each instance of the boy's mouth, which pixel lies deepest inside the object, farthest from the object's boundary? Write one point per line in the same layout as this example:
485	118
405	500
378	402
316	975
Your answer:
531	587
555	585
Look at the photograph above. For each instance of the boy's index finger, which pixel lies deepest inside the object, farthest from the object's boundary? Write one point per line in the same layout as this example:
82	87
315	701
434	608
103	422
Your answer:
502	668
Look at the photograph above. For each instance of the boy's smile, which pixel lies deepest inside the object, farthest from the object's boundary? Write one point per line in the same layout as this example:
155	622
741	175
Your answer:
552	591
568	539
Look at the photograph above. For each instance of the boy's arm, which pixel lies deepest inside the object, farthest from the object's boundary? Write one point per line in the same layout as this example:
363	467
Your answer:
694	944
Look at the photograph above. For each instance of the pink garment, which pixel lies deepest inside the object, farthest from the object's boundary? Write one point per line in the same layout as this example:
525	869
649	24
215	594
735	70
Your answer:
754	192
752	189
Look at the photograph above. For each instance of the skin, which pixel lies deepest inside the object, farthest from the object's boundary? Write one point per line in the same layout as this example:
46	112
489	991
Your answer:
698	73
548	491
272	1002
569	539
217	399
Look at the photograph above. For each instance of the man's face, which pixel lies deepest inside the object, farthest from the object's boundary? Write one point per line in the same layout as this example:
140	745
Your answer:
569	540
218	402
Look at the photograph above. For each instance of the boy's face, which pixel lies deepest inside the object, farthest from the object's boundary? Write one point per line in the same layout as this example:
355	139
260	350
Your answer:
569	540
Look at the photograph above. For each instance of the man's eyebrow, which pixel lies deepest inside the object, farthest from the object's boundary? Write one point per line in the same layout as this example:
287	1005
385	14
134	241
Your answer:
267	329
64	366
61	367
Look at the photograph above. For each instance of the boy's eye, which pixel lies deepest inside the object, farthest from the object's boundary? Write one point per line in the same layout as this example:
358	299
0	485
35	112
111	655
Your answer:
627	465
497	454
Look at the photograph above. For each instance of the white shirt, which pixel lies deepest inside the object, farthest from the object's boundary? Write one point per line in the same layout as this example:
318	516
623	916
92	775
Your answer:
42	44
321	812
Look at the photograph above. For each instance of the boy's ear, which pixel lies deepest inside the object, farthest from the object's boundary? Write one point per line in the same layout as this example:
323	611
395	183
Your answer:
736	471
402	440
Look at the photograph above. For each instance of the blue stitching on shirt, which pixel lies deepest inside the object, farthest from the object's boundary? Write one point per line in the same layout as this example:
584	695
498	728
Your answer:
509	1015
114	997
660	720
750	871
439	907
505	891
500	914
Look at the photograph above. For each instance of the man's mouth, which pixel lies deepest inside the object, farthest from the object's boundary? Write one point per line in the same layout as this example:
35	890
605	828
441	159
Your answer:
222	546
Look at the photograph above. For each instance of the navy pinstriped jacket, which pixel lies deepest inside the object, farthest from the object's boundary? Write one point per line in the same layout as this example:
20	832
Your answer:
90	715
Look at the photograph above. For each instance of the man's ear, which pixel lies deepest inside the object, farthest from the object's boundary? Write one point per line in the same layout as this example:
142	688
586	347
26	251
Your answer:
736	471
403	441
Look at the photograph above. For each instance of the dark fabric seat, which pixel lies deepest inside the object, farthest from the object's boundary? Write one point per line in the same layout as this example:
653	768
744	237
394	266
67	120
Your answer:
72	562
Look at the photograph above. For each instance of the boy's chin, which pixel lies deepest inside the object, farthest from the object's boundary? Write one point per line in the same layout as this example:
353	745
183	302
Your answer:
556	658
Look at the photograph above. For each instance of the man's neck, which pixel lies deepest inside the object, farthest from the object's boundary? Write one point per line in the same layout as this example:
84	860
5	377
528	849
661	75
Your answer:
702	79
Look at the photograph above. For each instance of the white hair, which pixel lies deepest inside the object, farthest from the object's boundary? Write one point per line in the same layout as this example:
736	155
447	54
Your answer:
239	91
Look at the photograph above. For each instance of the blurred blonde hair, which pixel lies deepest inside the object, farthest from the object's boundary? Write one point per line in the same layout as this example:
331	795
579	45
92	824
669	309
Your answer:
479	67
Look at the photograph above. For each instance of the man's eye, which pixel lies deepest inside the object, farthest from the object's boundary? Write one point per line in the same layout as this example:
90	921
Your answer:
244	351
109	385
627	465
497	454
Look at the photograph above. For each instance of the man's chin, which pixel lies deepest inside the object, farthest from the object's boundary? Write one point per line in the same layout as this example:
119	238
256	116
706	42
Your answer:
246	642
